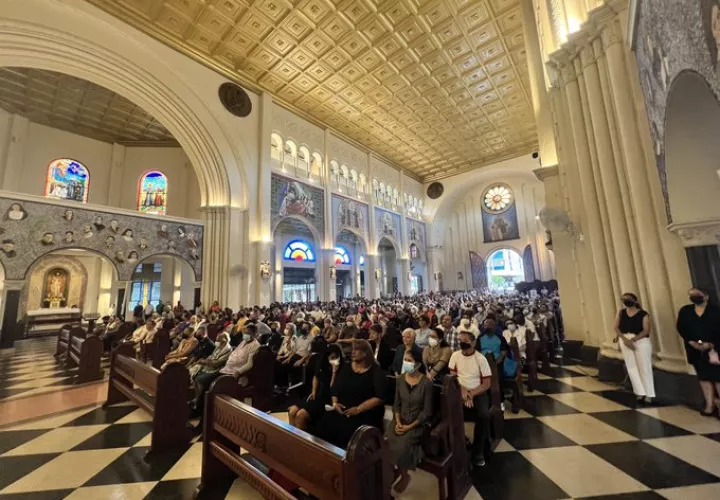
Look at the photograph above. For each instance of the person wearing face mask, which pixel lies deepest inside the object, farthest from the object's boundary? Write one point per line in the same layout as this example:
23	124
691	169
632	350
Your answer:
205	345
632	332
436	355
185	348
698	324
216	360
313	408
474	375
412	408
357	398
408	338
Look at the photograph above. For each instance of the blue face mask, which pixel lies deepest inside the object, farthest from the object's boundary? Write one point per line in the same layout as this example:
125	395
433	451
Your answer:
247	337
408	367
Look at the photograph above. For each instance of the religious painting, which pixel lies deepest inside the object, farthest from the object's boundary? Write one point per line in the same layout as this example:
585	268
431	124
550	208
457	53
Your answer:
67	180
56	288
499	214
350	214
291	198
387	224
152	193
478	271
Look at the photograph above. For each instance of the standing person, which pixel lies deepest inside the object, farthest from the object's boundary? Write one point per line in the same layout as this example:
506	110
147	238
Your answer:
474	375
149	310
632	331
699	326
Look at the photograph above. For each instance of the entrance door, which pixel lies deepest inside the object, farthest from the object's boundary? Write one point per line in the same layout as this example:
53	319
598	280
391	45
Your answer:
298	285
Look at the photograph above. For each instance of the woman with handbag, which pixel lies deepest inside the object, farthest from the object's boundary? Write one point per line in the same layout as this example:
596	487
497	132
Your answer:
632	332
699	326
411	410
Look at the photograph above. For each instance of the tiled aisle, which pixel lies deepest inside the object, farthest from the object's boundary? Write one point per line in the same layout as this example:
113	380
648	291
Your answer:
576	438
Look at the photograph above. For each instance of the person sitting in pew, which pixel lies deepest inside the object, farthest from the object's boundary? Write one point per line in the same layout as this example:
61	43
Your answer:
408	343
144	334
436	355
205	345
326	372
474	375
187	346
381	348
357	398
491	342
238	364
111	334
411	409
216	360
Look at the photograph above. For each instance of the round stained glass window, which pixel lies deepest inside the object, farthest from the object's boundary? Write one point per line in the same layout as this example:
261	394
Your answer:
497	199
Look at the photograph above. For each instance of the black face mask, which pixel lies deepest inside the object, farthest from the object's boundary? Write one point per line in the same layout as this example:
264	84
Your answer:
697	299
465	345
628	302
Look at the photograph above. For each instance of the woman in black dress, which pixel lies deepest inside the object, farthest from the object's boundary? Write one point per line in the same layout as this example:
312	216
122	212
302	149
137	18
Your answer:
313	408
699	325
356	398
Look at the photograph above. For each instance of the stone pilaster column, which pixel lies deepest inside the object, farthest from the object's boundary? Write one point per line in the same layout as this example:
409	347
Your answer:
215	255
330	289
617	223
264	287
403	281
590	206
11	294
372	284
670	349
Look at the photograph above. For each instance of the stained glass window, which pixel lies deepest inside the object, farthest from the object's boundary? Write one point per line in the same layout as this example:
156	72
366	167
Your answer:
152	193
67	180
498	198
342	257
414	252
300	251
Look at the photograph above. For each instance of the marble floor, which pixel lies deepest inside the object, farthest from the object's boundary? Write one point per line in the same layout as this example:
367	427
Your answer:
575	438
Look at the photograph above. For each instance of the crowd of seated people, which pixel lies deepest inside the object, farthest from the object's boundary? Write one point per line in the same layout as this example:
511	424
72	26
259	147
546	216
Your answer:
352	352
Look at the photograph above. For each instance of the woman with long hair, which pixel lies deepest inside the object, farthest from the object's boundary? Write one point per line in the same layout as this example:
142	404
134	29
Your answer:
632	332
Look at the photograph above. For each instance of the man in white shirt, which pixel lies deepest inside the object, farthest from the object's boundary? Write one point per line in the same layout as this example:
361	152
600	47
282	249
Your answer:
474	375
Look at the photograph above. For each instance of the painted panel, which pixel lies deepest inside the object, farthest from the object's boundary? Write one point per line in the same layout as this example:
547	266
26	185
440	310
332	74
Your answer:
291	198
387	224
500	226
352	215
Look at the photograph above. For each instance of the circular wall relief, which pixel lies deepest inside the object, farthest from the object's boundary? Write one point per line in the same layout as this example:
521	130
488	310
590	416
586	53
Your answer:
235	99
435	190
497	199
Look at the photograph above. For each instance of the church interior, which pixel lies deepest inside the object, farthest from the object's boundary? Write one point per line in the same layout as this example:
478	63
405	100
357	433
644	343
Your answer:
222	198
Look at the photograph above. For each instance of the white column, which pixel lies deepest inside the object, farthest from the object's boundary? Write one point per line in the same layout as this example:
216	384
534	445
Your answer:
121	306
15	153
117	169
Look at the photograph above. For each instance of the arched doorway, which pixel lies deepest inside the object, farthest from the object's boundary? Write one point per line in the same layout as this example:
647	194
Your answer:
504	270
350	274
388	267
163	279
692	150
295	262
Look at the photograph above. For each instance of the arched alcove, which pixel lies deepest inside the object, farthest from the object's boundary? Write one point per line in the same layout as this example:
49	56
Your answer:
504	270
296	260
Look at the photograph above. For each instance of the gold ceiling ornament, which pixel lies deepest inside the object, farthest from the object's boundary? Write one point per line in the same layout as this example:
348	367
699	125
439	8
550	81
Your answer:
436	86
78	106
497	199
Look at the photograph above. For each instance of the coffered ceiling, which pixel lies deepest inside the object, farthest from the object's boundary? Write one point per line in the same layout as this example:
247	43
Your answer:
436	86
78	106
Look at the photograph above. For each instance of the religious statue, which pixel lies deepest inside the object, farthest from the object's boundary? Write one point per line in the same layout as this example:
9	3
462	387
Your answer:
56	288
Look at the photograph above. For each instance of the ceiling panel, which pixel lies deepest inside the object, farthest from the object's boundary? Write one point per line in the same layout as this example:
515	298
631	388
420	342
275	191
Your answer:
422	82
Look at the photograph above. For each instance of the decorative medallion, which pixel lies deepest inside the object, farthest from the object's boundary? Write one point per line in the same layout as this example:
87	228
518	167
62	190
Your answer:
497	199
435	190
235	99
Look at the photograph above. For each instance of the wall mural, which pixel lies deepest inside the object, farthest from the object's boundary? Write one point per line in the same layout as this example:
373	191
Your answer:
416	236
478	271
350	214
499	214
673	36
291	198
528	264
387	224
31	229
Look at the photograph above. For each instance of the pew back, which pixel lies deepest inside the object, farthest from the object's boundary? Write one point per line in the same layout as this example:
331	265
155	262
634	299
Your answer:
86	354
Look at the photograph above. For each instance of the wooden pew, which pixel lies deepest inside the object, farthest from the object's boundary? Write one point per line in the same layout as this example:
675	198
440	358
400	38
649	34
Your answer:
64	339
516	383
168	391
85	354
450	465
156	351
497	416
532	351
363	472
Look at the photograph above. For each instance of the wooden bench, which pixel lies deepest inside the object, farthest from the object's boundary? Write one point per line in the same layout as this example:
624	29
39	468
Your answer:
64	338
497	416
363	472
167	391
450	464
157	350
85	354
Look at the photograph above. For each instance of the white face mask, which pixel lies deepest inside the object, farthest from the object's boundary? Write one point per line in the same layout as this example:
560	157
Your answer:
433	342
334	362
526	312
512	328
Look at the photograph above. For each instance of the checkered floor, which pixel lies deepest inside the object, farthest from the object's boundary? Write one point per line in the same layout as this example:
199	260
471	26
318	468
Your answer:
576	438
30	369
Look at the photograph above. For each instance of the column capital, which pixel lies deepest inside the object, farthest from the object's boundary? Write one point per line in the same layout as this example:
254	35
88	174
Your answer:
546	172
587	56
611	34
13	284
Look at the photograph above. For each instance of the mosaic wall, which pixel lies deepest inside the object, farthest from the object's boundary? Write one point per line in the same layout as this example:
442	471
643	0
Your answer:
478	271
352	215
388	224
416	235
528	264
291	198
673	36
31	229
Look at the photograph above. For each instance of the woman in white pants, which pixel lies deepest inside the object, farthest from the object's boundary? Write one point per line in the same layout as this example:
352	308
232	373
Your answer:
632	330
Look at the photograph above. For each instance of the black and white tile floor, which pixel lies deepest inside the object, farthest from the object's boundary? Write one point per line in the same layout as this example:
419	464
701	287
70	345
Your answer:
576	438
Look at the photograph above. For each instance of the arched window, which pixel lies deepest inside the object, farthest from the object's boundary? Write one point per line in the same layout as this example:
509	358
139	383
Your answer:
303	157
152	193
504	270
414	252
316	163
290	152
67	180
299	251
276	149
342	257
362	261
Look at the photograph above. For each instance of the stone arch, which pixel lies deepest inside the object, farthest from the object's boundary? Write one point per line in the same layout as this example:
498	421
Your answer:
42	44
179	257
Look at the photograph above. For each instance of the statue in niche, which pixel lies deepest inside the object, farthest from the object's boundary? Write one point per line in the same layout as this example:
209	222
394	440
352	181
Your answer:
387	224
56	288
413	234
16	212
